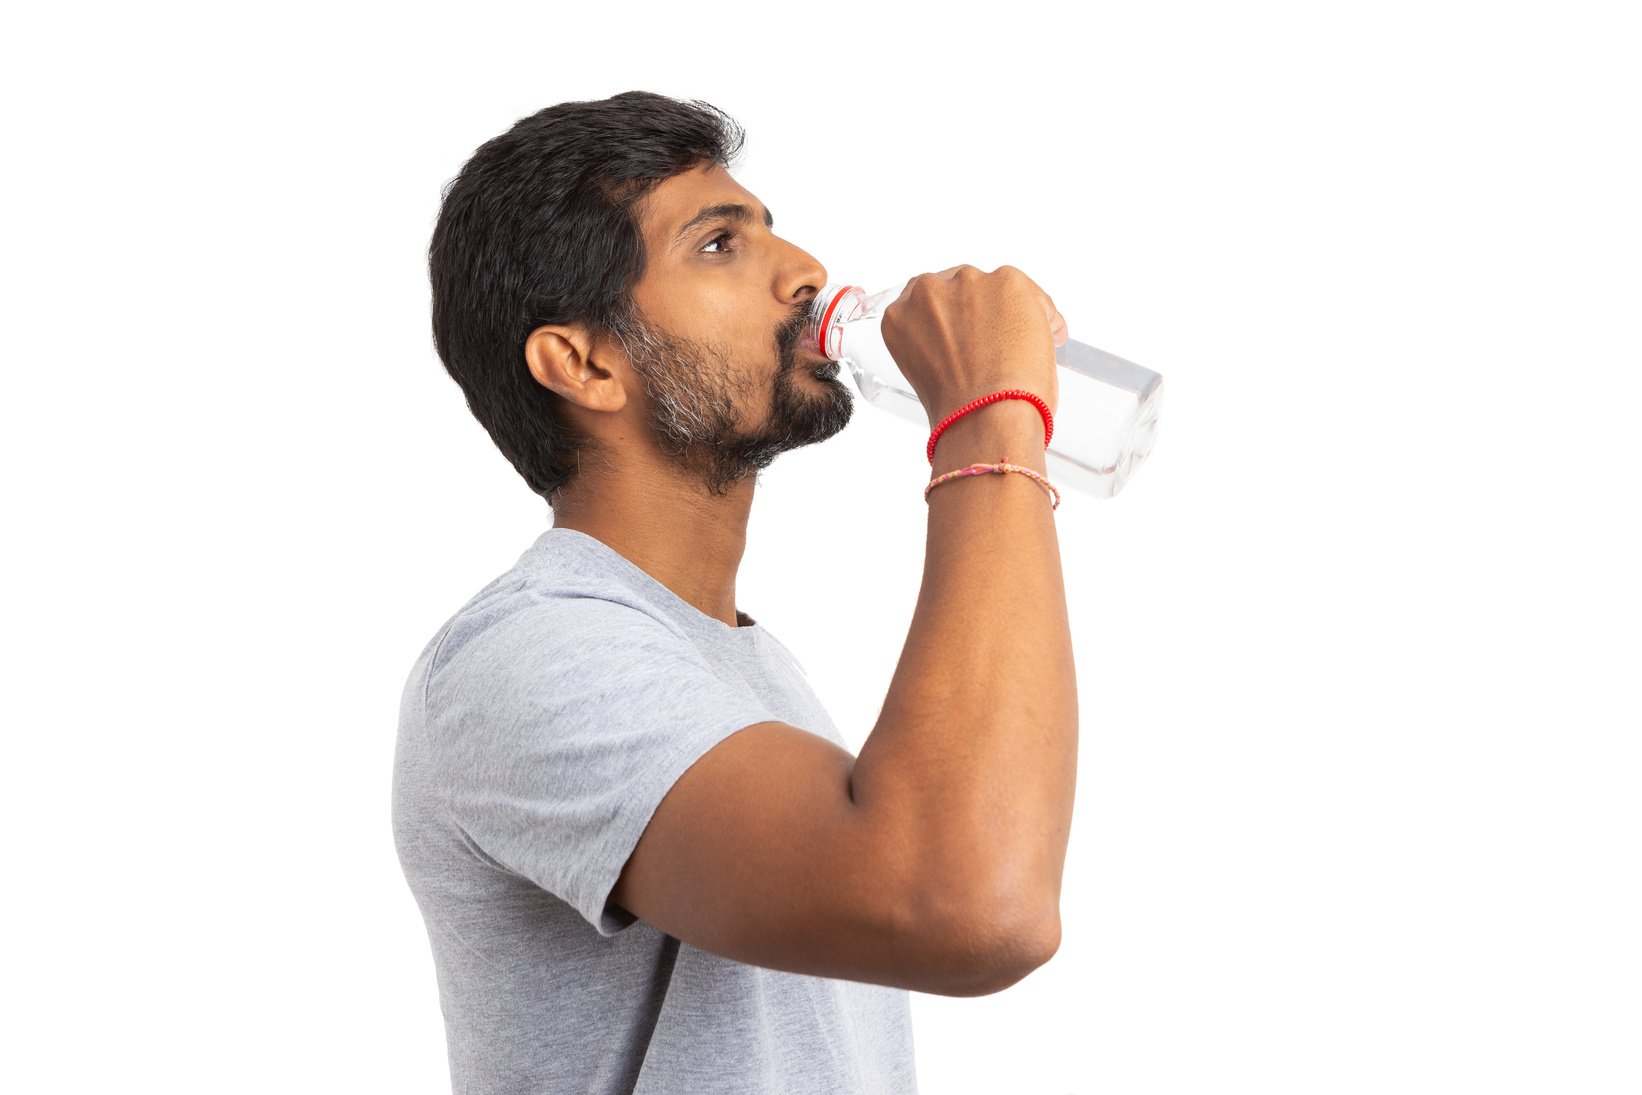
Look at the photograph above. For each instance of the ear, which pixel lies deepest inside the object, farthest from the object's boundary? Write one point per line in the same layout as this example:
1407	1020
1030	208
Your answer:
562	357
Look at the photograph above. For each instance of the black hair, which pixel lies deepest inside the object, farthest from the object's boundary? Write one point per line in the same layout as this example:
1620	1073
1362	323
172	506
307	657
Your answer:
540	226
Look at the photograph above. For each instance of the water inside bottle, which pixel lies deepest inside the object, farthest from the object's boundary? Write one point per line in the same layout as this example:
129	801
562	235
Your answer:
1105	415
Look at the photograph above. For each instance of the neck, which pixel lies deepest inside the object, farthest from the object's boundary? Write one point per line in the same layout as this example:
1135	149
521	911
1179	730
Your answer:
668	526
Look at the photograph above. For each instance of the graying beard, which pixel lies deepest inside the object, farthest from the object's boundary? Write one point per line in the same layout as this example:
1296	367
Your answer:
681	421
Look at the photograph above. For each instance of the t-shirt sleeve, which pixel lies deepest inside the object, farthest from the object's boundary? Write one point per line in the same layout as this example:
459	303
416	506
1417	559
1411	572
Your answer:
561	726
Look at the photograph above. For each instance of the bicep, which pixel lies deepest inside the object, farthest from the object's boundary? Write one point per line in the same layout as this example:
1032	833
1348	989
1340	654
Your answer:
759	854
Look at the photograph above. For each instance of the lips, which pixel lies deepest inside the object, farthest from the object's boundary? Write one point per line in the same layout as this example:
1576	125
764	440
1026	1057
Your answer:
803	355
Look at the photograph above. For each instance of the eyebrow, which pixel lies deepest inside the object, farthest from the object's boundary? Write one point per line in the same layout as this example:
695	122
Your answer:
726	211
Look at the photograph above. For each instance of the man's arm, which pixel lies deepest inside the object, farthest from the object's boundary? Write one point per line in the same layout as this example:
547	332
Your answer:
933	861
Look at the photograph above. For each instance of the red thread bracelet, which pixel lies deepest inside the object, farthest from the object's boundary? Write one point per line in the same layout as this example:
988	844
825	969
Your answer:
1009	393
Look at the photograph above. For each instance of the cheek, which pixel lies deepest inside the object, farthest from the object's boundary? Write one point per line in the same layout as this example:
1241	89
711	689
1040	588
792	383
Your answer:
711	310
734	334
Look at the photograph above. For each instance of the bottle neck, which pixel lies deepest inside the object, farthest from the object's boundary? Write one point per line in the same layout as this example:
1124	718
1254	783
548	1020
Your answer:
834	306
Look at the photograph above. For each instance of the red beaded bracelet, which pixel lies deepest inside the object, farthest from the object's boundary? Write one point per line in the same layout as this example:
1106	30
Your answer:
1009	393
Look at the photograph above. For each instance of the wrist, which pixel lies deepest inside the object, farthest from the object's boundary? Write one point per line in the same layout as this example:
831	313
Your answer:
1012	426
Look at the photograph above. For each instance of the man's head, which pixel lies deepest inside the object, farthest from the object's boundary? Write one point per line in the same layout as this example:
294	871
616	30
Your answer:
565	283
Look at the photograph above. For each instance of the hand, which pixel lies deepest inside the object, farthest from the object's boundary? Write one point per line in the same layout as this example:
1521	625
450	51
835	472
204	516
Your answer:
960	334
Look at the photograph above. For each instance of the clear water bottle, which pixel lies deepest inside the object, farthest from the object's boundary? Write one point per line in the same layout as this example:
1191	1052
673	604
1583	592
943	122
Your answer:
1105	420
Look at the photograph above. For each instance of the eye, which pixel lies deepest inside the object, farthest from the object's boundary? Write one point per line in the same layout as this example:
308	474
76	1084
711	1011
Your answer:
722	237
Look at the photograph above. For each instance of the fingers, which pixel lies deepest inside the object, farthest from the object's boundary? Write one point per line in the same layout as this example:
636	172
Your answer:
1057	322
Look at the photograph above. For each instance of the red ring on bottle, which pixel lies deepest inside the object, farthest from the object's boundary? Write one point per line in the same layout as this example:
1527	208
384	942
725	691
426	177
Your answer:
826	320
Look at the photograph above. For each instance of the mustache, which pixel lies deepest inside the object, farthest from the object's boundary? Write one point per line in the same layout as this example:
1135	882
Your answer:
788	334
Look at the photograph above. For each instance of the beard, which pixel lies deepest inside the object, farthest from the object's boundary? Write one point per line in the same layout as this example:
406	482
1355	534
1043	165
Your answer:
691	390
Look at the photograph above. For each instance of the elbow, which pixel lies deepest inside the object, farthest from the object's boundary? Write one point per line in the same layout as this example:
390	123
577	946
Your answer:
1012	956
989	946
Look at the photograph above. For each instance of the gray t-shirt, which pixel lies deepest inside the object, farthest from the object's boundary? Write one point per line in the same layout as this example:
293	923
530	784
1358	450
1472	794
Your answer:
539	730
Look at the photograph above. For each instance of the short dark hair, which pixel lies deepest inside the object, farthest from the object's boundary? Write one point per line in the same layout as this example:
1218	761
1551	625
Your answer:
540	226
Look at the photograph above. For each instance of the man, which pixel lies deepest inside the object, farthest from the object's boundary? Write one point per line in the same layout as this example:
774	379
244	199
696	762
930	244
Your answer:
646	861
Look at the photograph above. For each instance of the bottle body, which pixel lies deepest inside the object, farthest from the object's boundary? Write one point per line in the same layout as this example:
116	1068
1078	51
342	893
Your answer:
1105	419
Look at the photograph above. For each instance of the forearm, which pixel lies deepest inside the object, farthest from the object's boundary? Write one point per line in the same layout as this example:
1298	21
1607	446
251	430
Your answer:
972	764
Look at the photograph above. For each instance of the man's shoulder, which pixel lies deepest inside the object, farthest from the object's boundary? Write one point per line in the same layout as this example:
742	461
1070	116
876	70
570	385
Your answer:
531	610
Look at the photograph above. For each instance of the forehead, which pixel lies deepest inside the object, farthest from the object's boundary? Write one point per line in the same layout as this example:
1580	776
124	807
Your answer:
674	202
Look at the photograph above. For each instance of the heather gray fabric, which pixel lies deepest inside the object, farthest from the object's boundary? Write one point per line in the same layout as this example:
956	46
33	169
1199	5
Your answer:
538	731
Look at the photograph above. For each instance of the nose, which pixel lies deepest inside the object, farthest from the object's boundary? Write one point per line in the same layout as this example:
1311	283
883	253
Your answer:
801	277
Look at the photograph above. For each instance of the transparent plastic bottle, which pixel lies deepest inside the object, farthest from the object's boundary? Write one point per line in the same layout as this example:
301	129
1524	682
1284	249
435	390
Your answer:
1105	418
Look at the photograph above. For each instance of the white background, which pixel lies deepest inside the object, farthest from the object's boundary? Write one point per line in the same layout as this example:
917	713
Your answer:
1357	649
